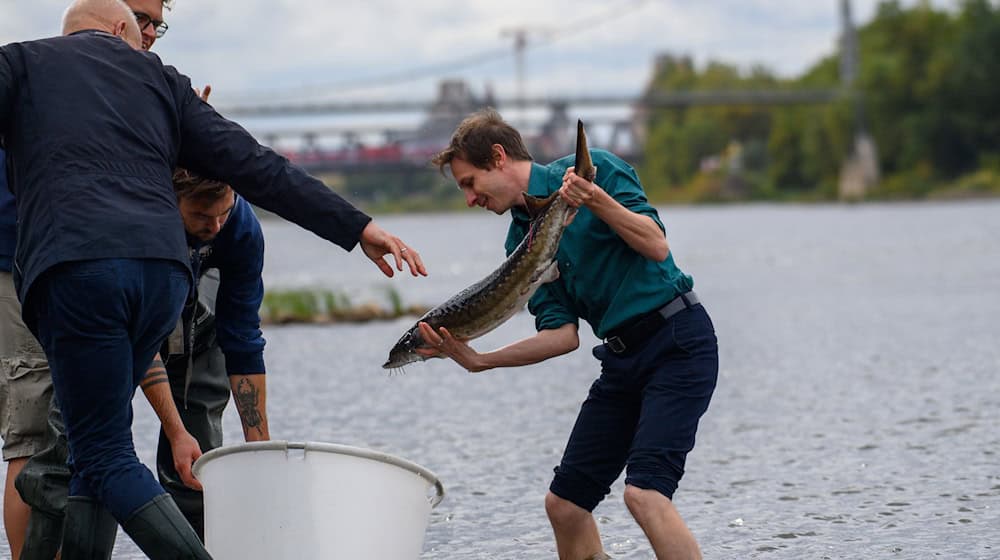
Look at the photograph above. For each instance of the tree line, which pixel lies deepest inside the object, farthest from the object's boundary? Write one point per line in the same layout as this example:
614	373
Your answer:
925	91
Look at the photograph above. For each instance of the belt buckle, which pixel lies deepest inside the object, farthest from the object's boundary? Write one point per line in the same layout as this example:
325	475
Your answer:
615	344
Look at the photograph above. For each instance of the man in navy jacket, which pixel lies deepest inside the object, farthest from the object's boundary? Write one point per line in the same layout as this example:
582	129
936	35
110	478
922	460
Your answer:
34	445
94	129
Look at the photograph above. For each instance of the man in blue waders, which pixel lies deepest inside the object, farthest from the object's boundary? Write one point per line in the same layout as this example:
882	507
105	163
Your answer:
94	128
218	348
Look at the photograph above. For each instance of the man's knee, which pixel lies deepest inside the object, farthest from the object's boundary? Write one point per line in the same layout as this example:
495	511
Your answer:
563	512
639	500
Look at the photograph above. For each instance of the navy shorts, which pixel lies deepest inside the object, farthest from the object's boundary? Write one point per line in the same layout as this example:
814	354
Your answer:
642	413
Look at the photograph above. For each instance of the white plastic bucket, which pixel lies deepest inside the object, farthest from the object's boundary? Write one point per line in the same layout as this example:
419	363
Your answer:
279	500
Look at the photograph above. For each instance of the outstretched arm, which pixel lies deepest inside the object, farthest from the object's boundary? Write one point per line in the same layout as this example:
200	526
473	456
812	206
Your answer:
185	448
220	149
543	345
250	396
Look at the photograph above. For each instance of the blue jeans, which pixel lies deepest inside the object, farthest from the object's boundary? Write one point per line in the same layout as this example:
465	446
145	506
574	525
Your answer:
100	323
642	412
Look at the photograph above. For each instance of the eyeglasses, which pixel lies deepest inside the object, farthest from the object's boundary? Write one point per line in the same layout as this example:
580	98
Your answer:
145	21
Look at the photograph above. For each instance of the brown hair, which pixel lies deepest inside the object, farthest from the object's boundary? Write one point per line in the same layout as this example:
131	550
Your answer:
190	186
475	136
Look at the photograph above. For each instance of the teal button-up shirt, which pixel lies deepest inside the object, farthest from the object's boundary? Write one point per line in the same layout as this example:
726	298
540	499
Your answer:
601	279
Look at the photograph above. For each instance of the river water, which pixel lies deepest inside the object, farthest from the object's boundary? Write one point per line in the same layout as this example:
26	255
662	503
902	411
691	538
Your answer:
857	413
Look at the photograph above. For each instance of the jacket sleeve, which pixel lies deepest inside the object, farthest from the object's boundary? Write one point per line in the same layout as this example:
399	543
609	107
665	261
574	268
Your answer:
218	148
241	290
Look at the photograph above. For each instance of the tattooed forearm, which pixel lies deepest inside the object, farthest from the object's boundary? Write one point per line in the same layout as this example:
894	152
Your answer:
247	399
155	375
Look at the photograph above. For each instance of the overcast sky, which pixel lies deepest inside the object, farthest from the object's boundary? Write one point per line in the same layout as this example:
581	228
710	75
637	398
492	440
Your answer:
341	47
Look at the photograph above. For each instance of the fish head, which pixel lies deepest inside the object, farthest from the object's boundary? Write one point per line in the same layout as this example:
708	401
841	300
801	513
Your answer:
404	351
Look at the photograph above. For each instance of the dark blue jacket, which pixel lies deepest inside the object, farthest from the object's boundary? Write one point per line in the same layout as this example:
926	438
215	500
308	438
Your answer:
8	219
94	130
238	254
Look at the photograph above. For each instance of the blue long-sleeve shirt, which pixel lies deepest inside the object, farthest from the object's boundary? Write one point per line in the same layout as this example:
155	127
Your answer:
8	219
94	130
238	254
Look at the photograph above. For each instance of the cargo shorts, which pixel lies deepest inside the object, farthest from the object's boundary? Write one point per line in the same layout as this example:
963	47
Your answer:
25	381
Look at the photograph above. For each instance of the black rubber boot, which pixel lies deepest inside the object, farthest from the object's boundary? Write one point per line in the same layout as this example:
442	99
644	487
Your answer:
88	530
160	530
44	536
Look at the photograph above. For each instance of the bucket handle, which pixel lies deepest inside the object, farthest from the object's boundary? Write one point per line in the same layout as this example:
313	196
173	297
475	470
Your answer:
438	494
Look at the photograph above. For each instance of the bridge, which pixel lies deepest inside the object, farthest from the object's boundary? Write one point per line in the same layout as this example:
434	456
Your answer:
675	99
360	146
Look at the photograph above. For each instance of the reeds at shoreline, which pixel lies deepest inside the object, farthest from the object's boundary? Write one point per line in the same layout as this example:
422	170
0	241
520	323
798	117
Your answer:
322	306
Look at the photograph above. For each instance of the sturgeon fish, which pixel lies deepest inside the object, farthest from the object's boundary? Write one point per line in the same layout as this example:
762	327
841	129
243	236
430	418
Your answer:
489	303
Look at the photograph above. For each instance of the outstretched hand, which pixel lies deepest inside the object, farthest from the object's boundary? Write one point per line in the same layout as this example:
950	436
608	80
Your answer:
377	243
186	451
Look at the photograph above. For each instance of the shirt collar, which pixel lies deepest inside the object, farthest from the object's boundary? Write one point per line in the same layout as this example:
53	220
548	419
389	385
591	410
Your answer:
91	31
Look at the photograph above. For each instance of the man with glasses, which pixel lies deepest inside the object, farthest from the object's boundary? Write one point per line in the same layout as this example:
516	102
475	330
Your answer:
149	16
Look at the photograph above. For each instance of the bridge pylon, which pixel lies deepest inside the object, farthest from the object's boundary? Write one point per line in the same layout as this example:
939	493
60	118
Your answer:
860	171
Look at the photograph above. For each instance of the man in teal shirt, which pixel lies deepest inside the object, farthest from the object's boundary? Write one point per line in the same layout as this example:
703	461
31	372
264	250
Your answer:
659	361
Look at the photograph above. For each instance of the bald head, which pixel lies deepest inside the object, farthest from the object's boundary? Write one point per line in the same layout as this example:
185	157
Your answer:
112	16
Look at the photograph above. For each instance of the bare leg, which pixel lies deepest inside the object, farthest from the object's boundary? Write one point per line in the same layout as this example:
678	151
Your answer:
15	511
667	533
575	529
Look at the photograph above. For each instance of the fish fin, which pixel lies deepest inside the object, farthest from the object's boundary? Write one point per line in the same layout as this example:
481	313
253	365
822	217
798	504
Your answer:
550	274
584	166
535	205
570	216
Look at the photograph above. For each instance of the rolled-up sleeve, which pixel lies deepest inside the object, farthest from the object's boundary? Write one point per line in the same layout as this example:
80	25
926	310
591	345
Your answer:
550	311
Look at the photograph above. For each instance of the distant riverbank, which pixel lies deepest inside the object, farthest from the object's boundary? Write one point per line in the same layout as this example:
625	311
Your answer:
438	194
324	306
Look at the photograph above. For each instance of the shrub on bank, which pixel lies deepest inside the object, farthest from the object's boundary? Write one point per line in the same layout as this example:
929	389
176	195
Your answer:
329	306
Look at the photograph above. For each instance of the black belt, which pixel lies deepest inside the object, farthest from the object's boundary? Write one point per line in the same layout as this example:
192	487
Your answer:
633	336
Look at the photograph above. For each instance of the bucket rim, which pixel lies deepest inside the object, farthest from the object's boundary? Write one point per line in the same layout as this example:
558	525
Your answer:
279	445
